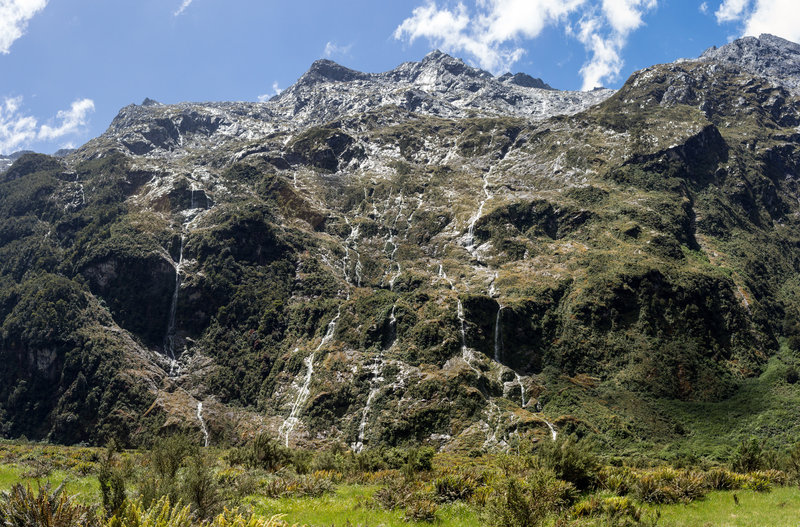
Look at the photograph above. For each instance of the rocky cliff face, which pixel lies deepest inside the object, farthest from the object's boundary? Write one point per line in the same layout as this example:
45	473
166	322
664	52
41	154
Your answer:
430	254
767	56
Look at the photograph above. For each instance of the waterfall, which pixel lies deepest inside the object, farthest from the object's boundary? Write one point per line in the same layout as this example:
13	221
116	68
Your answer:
498	338
553	433
466	353
521	389
169	338
202	422
352	240
474	220
305	390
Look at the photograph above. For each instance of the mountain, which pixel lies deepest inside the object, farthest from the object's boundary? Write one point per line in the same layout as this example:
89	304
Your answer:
426	255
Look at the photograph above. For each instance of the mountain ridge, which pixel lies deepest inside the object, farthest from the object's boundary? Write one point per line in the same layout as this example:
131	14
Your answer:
426	255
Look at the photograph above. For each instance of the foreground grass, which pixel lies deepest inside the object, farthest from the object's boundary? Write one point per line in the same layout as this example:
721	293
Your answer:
85	488
779	508
353	504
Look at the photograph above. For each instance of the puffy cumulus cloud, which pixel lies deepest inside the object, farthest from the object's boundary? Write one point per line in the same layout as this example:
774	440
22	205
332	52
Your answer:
604	33
491	32
72	121
731	10
777	17
183	7
14	17
18	130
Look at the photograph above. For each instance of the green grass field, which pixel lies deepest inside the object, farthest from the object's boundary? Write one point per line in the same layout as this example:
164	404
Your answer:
353	504
779	508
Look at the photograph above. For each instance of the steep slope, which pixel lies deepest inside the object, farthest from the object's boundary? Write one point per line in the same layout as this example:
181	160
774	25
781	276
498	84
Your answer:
430	254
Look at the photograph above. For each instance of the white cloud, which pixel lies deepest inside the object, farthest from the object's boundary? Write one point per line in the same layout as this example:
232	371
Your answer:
182	8
777	17
332	48
730	10
491	32
18	130
267	96
14	17
605	34
704	8
72	120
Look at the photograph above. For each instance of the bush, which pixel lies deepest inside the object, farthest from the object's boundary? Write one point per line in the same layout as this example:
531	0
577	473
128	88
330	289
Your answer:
420	509
23	507
200	487
454	487
112	483
668	485
160	514
528	502
749	456
267	453
571	461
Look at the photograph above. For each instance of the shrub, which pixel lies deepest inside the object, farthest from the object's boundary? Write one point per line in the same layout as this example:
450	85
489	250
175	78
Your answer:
160	514
267	453
200	487
112	483
749	456
418	460
571	461
420	509
168	454
668	485
721	479
23	507
396	494
454	487
528	502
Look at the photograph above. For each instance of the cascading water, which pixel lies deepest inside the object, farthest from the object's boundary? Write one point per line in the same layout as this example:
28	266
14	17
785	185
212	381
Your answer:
305	390
466	353
376	367
521	389
498	337
202	422
169	339
553	432
474	220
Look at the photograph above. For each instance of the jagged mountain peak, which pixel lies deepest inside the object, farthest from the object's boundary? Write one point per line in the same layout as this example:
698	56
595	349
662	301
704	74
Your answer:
767	56
524	80
327	70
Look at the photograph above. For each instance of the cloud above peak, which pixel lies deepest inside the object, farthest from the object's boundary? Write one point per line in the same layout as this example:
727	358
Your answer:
491	30
14	18
777	17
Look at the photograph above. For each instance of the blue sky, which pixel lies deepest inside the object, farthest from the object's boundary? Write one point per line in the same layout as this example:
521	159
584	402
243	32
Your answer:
67	67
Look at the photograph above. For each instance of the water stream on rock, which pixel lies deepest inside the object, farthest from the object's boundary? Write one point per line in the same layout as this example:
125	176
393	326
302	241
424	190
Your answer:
498	338
376	368
471	228
202	422
169	339
553	433
305	390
